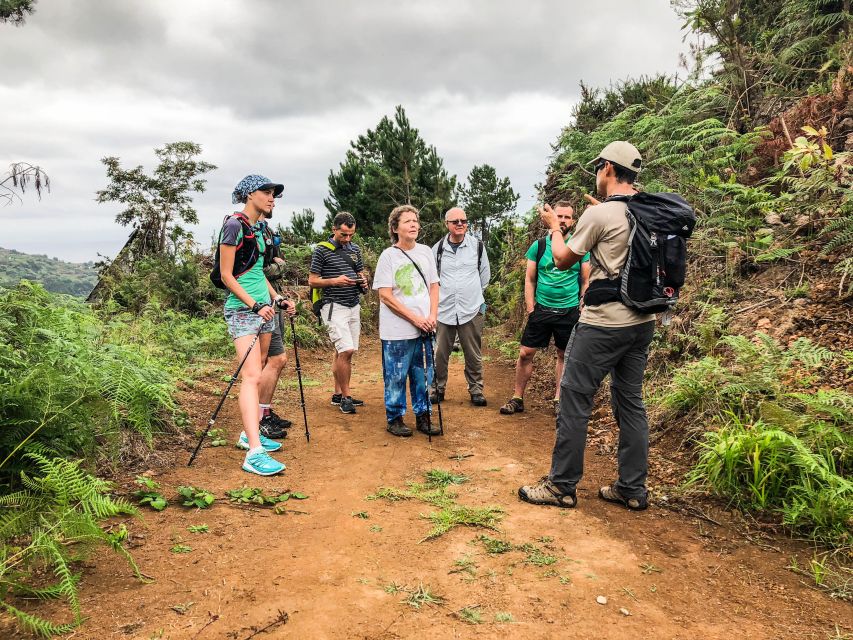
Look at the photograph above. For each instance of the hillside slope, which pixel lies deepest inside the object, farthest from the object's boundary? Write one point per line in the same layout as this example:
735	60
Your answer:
57	276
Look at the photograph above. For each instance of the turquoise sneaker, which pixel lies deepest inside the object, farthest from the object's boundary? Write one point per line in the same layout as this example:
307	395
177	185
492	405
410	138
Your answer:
261	464
266	443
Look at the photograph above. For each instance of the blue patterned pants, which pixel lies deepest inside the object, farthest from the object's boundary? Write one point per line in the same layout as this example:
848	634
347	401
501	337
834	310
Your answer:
402	360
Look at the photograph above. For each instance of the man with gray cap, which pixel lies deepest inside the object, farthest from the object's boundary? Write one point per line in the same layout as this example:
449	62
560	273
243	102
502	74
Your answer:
464	272
609	338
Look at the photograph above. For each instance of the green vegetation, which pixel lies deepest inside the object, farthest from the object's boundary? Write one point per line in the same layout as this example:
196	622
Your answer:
149	494
423	595
55	275
195	497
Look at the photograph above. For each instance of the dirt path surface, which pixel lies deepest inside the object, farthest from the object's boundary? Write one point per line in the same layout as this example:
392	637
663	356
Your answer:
330	562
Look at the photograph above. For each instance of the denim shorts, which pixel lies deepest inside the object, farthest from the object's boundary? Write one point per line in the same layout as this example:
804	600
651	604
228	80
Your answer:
244	322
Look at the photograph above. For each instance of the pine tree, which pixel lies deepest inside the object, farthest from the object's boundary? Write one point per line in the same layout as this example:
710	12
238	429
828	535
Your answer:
487	200
386	167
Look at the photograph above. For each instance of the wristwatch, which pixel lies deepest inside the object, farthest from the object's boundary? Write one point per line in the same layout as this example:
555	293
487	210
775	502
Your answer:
258	306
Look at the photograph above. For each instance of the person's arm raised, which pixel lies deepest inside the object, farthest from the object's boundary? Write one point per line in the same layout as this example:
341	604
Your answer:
564	257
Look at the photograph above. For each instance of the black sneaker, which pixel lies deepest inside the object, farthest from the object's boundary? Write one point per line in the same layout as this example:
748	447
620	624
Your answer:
347	405
398	428
270	429
282	422
478	400
424	425
336	400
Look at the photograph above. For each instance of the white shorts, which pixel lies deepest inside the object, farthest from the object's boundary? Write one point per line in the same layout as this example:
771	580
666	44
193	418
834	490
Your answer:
344	326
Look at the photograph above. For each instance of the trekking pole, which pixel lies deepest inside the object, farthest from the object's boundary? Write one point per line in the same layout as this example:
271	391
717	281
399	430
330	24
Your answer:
431	336
299	377
225	395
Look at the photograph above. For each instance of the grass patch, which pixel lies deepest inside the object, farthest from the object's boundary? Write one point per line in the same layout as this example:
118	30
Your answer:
504	616
536	556
461	516
471	615
495	546
423	595
464	565
198	528
436	478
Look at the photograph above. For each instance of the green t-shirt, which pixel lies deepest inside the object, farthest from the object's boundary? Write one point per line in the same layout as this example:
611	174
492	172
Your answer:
556	288
253	281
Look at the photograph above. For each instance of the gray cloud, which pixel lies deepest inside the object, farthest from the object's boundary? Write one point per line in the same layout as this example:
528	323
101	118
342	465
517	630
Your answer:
283	87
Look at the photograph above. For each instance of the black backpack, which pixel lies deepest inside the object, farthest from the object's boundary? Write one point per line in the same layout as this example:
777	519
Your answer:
656	266
440	251
245	257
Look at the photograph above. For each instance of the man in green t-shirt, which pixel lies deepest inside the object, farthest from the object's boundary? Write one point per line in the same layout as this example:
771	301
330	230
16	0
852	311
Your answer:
551	297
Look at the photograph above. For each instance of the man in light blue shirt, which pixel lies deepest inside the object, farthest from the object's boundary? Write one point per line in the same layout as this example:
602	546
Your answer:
464	272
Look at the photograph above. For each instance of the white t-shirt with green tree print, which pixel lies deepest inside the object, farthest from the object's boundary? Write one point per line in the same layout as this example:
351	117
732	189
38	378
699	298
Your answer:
396	271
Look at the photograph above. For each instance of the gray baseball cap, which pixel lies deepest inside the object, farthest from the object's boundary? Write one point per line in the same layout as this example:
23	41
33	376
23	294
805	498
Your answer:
622	153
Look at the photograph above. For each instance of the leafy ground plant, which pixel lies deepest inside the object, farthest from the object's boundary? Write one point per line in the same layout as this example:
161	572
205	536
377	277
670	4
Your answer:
198	528
149	494
196	497
536	556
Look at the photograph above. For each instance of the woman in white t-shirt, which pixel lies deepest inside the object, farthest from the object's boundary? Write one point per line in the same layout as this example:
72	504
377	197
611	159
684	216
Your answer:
407	281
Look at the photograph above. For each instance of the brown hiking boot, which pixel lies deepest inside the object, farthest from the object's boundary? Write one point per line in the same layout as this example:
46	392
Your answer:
609	493
546	492
424	425
513	405
398	428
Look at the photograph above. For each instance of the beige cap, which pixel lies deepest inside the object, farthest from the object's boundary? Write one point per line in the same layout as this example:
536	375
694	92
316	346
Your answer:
622	153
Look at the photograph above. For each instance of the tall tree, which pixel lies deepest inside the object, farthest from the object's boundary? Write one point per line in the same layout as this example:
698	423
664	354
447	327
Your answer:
15	11
487	200
389	166
155	202
302	225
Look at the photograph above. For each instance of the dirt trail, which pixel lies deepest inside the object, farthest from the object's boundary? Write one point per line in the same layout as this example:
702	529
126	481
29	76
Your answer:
678	577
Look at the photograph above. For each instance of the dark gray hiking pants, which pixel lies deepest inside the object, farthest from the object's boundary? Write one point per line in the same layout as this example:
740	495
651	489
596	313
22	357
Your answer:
591	354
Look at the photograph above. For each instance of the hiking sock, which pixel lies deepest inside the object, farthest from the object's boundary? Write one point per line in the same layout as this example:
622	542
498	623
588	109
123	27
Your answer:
265	410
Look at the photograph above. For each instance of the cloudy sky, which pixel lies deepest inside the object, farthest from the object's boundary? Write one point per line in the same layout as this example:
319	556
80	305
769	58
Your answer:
281	88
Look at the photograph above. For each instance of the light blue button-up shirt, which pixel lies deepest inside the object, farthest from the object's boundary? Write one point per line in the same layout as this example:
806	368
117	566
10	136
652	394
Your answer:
462	284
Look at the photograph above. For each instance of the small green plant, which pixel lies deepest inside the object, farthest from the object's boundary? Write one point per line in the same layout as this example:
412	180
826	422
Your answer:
217	437
423	595
198	528
461	516
196	497
255	496
436	478
360	514
536	556
149	494
647	568
375	528
504	616
181	548
471	615
495	546
393	588
464	565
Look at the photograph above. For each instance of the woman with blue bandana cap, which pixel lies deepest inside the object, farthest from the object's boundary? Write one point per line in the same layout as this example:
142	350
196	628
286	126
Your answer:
248	308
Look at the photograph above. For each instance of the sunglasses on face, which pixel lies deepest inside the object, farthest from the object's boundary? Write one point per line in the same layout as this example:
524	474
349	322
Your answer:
599	166
459	223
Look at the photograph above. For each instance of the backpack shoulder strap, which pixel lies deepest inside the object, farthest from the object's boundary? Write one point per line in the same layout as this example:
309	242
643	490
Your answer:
405	253
327	245
479	254
438	253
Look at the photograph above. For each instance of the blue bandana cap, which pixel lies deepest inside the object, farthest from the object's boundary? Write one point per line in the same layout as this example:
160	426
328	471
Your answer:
252	183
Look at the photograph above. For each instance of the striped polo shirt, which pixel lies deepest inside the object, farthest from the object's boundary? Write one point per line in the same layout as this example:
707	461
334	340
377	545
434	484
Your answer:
331	264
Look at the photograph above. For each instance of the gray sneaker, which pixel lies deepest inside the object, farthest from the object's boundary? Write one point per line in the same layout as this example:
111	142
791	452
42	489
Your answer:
546	492
347	405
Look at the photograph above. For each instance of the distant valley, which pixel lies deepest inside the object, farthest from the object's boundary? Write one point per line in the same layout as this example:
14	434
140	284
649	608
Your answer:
57	276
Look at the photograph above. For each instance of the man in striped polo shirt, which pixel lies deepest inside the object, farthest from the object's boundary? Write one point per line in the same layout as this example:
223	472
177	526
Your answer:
338	269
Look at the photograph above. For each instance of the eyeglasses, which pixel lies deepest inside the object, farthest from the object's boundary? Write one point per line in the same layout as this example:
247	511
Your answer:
459	223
